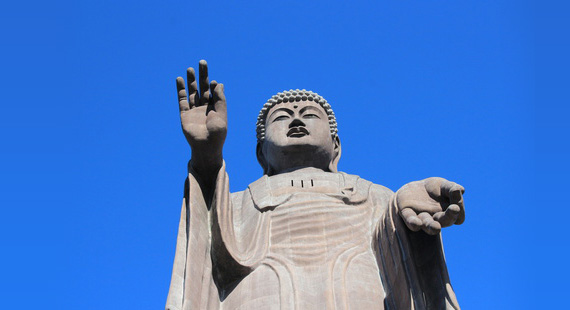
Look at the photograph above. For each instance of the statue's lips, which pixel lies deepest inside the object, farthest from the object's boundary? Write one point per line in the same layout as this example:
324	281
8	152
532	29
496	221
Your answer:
297	132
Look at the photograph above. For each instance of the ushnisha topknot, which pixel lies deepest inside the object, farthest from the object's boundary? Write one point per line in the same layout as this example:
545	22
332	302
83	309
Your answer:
292	96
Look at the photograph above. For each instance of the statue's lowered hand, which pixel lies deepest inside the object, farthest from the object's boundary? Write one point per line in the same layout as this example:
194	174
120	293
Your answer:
203	114
431	204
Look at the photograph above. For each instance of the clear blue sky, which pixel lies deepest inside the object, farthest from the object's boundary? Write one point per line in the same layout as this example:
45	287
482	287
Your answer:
93	159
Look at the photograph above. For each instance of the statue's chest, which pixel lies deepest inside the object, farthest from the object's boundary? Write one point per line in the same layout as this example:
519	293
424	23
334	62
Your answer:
315	224
313	216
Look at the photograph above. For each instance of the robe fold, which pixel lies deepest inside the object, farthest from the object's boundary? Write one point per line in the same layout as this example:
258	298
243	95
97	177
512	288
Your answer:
303	240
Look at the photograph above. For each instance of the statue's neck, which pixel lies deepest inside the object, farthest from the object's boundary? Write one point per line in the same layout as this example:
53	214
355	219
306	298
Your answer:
299	170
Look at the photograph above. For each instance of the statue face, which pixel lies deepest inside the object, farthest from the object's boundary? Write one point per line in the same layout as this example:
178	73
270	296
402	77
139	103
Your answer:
297	135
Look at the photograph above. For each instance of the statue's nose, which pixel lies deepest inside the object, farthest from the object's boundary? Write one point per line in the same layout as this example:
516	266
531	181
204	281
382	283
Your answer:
296	123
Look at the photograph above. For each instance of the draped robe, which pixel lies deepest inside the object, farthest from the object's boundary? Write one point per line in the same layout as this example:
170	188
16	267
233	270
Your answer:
306	239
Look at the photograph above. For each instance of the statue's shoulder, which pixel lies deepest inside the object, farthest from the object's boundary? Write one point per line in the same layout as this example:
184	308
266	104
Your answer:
380	190
237	197
361	184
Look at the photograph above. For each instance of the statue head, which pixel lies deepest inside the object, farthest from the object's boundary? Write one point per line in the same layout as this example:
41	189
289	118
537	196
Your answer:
297	129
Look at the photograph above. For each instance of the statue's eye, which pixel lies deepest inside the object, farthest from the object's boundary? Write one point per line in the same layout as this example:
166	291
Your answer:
280	118
310	115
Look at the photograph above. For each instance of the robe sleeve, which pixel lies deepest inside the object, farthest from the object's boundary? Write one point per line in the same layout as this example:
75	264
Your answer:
211	254
192	285
412	265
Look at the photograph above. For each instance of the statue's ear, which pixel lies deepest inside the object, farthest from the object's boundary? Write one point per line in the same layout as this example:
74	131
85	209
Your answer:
336	157
261	158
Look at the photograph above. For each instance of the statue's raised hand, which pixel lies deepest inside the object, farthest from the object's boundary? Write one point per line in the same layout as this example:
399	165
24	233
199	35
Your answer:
203	114
431	204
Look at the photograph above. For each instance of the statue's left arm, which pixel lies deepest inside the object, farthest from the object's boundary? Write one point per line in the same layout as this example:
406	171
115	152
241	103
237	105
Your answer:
203	116
414	272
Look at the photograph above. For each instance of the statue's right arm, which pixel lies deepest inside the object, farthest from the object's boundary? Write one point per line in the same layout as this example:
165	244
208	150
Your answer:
203	114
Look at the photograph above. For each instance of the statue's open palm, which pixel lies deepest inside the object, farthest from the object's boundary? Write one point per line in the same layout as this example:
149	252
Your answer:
431	204
203	114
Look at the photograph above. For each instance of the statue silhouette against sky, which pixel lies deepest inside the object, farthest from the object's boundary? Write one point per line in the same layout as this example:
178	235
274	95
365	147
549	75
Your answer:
304	235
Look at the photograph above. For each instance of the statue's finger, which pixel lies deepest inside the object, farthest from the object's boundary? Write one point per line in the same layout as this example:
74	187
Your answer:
182	98
429	225
438	216
204	82
411	219
461	216
452	191
192	87
433	186
455	194
215	90
218	97
448	217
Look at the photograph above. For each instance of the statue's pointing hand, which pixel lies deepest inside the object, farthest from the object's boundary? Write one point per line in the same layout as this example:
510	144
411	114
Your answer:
203	114
431	204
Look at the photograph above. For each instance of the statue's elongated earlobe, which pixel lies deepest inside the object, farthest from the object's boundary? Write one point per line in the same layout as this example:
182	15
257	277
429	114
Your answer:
333	166
261	158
